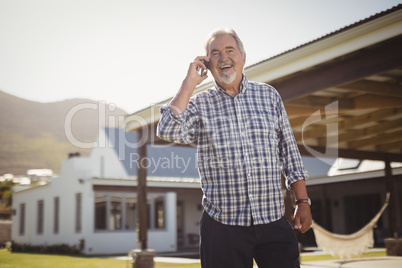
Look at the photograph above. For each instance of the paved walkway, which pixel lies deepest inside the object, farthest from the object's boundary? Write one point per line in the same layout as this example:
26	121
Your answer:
175	260
375	262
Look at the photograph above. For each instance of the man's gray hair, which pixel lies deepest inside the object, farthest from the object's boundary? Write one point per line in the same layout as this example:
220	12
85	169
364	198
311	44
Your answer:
219	32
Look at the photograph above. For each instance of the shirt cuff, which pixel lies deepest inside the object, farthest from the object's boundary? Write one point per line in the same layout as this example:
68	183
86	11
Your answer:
179	118
294	178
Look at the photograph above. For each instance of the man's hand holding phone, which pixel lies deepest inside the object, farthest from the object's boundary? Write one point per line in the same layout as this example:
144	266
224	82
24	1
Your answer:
204	71
198	70
196	74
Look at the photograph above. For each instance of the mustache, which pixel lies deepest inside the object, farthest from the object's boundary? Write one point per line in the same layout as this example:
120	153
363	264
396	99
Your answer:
229	62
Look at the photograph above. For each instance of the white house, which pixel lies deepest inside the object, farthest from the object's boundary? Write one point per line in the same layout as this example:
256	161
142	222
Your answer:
93	201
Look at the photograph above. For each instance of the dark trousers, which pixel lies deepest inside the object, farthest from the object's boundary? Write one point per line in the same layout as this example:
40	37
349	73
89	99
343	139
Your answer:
272	245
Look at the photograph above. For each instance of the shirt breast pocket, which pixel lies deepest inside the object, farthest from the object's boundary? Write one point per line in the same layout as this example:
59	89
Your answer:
262	129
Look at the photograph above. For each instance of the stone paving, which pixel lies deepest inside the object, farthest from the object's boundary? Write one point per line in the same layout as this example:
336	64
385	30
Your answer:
377	262
374	262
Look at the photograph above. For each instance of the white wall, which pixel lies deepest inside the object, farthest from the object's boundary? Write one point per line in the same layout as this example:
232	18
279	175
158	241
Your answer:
192	215
110	242
104	163
65	187
77	177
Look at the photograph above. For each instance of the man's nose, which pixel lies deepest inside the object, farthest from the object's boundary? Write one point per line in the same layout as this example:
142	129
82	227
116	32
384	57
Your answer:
224	57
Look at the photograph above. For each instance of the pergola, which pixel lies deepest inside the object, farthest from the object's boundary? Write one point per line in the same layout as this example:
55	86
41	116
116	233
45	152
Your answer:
342	93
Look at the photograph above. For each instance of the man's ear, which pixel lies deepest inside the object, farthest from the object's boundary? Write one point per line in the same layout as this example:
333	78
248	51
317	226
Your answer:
244	58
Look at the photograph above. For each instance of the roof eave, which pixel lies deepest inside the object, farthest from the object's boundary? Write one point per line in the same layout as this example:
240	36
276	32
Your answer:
367	32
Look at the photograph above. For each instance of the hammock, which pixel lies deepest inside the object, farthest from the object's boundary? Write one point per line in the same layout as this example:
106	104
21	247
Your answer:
347	246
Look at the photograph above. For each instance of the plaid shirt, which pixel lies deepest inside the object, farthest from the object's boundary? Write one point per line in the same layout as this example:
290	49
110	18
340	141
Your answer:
244	143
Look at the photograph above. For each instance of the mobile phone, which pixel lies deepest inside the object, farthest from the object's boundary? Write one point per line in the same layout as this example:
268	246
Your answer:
204	71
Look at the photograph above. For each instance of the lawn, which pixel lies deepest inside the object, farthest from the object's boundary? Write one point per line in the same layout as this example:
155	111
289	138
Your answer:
16	260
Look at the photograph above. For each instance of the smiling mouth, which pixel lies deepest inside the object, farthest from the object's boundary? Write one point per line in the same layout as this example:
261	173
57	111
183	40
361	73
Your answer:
225	66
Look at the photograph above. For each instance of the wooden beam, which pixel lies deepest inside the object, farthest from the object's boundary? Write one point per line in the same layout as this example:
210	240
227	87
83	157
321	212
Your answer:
372	60
390	147
348	126
374	88
293	110
347	153
376	140
299	121
317	102
378	117
361	102
381	127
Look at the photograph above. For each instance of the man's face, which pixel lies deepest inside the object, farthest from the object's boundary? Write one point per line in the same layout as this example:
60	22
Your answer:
226	61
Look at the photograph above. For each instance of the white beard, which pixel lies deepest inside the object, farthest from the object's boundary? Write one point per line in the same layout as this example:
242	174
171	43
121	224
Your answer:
227	79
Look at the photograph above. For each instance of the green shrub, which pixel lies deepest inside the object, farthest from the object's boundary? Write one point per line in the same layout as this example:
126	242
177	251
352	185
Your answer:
51	249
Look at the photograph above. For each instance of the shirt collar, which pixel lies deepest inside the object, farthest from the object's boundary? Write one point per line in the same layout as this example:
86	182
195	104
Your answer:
243	86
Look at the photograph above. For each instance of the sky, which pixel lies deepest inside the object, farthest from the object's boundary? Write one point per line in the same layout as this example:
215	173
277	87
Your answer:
135	53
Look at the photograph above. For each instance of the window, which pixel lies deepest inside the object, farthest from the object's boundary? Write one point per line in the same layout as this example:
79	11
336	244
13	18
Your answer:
115	213
78	214
100	211
22	220
56	216
159	212
119	211
40	217
156	212
131	219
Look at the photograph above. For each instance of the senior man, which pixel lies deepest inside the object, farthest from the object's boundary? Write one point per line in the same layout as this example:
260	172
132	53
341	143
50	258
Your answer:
244	143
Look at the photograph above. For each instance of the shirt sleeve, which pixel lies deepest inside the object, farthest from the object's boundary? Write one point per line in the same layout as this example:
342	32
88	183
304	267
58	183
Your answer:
293	168
179	128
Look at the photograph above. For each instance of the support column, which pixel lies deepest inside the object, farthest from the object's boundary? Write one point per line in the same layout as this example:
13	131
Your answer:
390	188
171	218
392	244
142	193
144	257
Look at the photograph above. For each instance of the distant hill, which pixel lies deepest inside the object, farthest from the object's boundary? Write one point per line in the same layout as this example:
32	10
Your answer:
33	134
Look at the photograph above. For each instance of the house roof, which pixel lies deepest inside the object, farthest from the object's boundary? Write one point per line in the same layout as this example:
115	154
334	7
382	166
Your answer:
343	29
175	163
155	182
161	161
342	92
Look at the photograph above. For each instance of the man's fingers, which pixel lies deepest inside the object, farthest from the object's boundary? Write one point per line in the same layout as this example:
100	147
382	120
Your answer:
202	62
302	227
